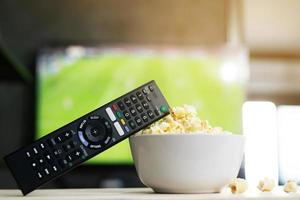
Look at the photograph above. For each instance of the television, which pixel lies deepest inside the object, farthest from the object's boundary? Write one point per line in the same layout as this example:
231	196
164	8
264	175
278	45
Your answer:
74	80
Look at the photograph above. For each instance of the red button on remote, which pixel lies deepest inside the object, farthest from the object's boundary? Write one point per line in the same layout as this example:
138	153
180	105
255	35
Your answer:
114	106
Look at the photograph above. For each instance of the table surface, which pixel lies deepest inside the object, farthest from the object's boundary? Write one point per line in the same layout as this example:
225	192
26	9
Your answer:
140	193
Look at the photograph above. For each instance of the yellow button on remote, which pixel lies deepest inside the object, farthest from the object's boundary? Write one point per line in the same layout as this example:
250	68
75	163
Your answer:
122	121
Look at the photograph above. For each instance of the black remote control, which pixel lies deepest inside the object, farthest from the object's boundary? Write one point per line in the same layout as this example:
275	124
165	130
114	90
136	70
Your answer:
67	147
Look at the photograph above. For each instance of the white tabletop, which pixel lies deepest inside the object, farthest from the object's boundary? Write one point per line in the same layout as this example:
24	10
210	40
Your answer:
139	193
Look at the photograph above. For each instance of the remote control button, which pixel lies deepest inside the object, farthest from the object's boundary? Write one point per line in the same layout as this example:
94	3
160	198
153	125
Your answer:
69	158
119	114
148	98
57	152
42	145
94	133
34	165
144	117
126	114
35	150
67	135
77	154
95	146
139	95
41	161
49	158
132	111
138	121
127	102
54	168
39	174
123	121
156	111
132	124
164	109
139	108
107	140
145	105
114	106
133	99
46	171
151	88
127	129
94	117
97	131
121	105
28	155
82	124
82	139
150	114
58	139
110	114
144	91
119	128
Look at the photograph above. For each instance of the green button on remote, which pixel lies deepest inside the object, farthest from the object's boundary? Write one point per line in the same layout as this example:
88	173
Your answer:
164	108
119	114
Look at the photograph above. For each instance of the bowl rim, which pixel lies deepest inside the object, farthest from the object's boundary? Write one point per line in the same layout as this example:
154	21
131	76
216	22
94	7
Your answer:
188	135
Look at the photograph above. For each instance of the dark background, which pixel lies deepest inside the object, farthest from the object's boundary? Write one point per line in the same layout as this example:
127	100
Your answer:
26	26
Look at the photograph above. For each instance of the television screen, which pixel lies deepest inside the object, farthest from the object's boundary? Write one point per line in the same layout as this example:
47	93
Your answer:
75	80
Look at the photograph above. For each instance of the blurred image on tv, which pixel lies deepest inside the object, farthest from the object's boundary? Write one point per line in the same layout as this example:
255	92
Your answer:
75	80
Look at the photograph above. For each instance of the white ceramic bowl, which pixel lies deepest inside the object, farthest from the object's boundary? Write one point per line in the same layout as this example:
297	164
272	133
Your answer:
187	163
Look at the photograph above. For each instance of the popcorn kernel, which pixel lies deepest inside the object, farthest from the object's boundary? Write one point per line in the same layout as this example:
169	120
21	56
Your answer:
238	186
266	185
290	186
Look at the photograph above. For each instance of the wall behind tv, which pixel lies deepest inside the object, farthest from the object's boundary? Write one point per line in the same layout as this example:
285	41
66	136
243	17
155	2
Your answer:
25	25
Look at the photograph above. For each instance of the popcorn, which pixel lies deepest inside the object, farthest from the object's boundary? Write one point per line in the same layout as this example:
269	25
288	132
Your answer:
266	185
181	120
290	186
164	126
238	186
